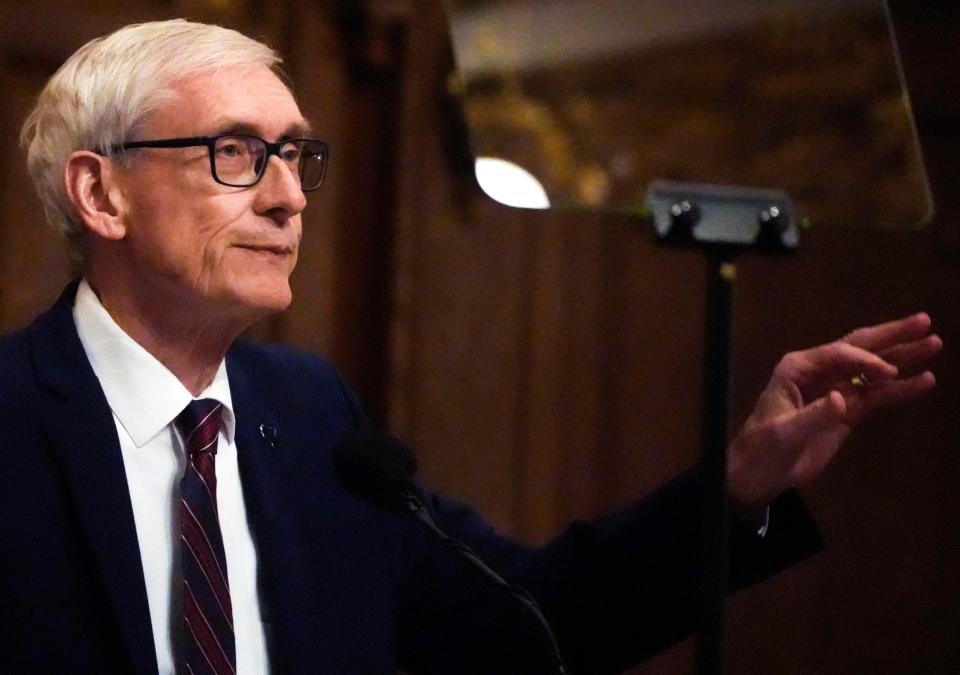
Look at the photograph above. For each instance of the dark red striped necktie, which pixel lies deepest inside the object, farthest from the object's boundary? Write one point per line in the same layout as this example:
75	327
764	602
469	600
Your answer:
209	646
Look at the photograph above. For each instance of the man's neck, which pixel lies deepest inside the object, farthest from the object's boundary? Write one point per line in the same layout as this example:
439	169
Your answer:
186	340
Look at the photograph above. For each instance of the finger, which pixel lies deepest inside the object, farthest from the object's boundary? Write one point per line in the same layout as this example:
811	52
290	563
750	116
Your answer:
885	335
897	392
818	432
816	371
913	354
806	422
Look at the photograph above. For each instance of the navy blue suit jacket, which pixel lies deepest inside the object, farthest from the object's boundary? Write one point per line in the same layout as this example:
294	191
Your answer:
347	588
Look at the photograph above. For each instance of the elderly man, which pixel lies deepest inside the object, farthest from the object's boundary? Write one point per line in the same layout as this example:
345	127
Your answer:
168	495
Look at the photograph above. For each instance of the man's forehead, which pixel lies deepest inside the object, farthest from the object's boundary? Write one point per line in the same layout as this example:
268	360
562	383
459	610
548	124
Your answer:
238	99
227	124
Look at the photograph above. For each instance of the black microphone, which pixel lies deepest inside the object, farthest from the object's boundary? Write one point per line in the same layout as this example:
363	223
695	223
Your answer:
378	468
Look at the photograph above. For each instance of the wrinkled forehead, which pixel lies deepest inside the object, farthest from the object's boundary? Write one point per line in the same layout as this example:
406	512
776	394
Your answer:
235	99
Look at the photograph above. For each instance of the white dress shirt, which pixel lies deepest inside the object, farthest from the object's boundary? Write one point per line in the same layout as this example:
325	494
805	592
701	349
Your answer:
145	397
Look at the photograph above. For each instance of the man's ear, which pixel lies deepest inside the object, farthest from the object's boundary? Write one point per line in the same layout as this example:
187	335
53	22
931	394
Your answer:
95	197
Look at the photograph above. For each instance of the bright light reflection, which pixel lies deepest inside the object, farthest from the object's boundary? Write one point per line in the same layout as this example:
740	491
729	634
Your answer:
510	184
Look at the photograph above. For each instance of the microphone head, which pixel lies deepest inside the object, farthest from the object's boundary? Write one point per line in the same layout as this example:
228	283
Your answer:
375	466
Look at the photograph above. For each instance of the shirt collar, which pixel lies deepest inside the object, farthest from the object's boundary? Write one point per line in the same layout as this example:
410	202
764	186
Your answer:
143	394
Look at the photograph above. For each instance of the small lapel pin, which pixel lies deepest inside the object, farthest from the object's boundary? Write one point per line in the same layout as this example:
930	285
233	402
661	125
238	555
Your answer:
271	435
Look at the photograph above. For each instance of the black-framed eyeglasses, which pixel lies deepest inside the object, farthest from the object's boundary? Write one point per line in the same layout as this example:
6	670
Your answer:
239	160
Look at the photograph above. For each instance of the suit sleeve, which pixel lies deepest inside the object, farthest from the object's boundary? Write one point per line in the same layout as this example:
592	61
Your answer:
625	587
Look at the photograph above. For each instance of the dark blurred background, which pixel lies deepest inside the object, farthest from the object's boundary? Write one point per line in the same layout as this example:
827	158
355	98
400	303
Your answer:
546	365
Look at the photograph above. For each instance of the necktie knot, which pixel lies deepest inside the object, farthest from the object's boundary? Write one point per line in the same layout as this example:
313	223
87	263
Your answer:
199	425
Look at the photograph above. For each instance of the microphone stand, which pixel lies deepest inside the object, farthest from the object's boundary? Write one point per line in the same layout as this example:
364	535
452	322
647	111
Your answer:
413	506
375	467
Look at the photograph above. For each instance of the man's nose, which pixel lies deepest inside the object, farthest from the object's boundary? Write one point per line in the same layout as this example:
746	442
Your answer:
279	191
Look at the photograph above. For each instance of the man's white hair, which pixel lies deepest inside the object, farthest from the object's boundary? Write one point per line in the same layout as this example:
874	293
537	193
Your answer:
98	97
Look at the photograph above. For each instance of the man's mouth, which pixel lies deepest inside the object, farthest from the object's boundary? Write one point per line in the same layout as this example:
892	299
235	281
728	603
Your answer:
275	249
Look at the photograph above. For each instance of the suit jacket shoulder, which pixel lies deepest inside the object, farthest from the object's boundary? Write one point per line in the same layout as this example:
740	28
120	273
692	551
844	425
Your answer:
18	378
292	379
75	570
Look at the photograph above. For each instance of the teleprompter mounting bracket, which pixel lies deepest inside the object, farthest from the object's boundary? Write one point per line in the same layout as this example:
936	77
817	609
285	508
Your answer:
703	215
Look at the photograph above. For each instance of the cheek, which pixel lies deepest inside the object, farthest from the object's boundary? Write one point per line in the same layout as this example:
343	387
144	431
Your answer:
184	242
207	228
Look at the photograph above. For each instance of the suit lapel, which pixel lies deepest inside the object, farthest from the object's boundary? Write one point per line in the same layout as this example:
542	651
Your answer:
309	588
264	461
84	438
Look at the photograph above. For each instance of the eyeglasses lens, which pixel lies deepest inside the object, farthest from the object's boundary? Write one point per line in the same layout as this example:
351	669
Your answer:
239	160
313	164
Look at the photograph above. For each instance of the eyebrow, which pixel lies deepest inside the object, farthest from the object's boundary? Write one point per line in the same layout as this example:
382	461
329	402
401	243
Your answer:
298	129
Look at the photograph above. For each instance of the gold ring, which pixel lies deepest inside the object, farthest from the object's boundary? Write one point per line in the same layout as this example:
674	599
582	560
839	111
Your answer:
860	381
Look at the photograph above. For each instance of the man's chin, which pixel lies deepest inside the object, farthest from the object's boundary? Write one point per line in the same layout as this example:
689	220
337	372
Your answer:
273	304
255	304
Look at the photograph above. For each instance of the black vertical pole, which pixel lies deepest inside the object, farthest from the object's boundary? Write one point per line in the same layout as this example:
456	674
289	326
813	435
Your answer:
716	378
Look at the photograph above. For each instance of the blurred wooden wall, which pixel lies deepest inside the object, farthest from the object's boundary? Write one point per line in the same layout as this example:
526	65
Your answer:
547	366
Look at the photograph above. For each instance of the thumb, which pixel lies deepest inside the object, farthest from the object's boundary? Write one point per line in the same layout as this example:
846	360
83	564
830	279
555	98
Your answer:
812	419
